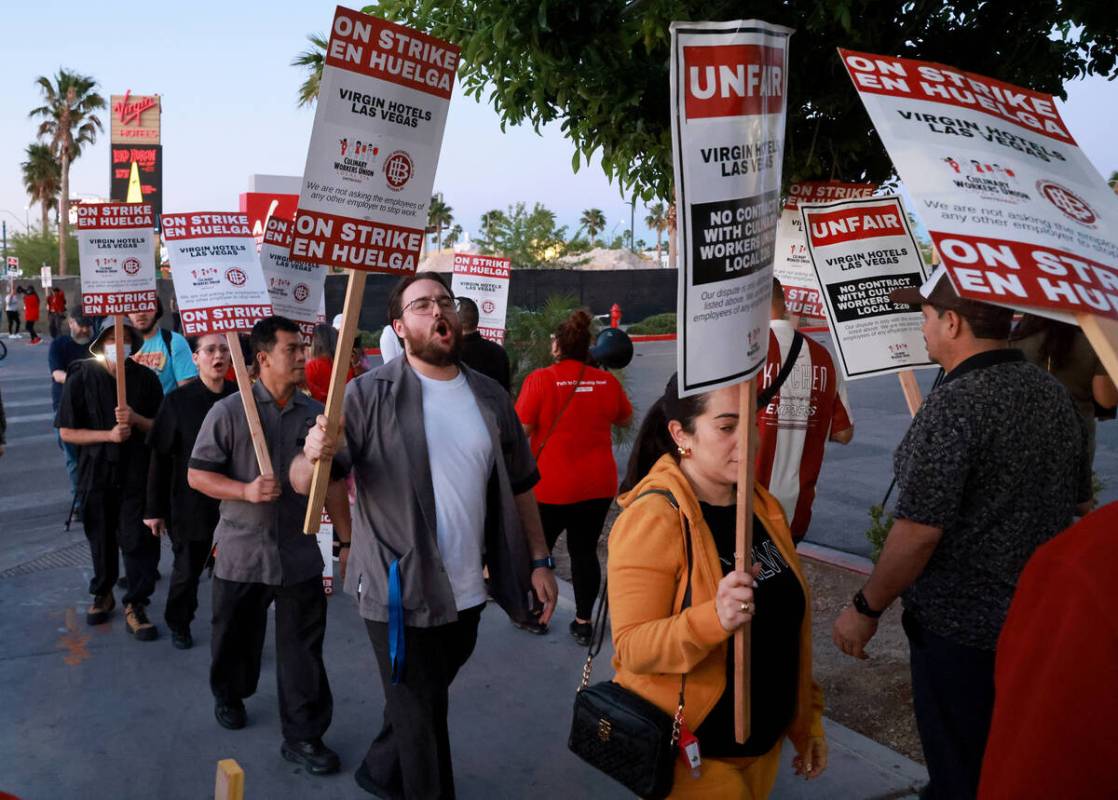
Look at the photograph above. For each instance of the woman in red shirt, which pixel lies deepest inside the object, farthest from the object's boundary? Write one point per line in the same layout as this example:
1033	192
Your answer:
31	312
569	410
321	363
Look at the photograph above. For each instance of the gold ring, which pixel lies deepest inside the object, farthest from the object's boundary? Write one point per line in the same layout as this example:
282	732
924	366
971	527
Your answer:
743	607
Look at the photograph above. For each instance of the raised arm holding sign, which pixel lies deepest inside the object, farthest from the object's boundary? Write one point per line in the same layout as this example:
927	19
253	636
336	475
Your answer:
370	169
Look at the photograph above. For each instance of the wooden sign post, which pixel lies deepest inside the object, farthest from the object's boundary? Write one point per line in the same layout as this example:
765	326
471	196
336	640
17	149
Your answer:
118	345
743	550
911	389
1102	332
230	781
248	400
355	291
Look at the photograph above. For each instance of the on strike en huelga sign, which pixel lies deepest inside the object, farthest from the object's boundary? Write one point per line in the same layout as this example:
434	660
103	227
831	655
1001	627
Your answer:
792	266
294	286
728	87
218	282
860	251
116	254
485	280
1019	215
374	147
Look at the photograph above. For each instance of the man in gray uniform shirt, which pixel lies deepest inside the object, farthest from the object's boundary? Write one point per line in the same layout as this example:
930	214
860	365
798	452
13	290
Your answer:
444	479
263	554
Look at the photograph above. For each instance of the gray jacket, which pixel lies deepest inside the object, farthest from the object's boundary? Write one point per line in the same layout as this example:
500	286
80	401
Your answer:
394	517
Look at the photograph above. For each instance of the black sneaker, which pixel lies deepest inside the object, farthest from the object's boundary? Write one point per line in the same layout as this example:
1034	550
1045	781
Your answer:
534	626
231	714
182	640
582	631
316	758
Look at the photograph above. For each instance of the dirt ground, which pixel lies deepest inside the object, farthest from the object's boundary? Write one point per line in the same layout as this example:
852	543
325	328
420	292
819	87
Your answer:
872	697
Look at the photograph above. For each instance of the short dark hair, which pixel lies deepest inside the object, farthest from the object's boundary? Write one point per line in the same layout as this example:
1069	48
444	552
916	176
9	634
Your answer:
985	321
778	292
263	337
467	312
396	299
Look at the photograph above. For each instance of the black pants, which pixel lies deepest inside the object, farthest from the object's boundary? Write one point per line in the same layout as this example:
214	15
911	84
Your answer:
953	696
13	323
182	594
54	324
113	518
583	524
240	621
30	325
411	755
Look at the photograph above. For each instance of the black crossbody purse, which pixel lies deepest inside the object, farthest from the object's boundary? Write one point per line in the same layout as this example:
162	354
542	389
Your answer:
617	731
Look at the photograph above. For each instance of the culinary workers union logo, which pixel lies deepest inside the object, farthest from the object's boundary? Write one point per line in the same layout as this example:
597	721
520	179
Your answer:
398	170
488	306
236	276
301	292
131	265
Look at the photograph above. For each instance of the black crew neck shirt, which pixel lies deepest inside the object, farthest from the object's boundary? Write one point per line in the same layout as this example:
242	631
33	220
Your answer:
775	645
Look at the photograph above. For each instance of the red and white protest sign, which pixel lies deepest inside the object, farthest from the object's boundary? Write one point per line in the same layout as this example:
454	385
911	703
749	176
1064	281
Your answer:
116	252
1019	215
325	540
218	282
860	251
728	89
792	266
377	133
485	280
296	287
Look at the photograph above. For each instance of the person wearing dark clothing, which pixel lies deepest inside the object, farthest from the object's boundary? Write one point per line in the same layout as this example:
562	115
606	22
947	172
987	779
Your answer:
64	351
56	311
189	516
994	465
479	353
263	554
112	473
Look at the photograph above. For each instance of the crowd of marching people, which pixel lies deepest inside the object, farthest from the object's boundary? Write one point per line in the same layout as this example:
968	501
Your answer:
447	492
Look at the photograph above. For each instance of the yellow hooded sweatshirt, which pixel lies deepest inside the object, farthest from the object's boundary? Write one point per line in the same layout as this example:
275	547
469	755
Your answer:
654	642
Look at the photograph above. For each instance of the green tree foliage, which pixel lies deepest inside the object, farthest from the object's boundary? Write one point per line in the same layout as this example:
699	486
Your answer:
491	221
42	178
600	67
36	249
528	236
69	122
311	60
657	220
439	216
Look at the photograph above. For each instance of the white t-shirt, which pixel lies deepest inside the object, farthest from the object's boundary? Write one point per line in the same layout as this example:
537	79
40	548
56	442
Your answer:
390	347
461	456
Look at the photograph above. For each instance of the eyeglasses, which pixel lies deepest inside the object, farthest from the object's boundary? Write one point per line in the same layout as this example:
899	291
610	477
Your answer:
425	306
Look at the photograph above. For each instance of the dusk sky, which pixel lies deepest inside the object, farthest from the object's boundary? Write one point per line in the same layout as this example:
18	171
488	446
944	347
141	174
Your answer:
229	110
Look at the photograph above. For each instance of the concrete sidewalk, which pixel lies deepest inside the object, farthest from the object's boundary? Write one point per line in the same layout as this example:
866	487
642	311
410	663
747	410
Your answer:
92	713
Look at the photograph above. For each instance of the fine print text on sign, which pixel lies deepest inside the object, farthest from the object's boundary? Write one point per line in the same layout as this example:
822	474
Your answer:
1018	213
728	88
861	250
214	264
296	288
485	280
375	145
116	253
792	266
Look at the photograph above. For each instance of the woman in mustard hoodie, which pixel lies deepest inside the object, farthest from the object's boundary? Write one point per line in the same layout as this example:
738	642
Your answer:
688	448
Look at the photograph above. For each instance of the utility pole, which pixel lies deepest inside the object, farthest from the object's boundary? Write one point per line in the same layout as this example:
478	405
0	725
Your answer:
632	225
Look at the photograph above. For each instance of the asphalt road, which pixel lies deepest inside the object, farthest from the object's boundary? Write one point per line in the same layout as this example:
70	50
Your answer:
35	495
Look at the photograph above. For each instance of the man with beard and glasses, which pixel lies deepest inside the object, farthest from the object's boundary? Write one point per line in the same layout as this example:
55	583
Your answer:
165	352
444	479
172	505
263	556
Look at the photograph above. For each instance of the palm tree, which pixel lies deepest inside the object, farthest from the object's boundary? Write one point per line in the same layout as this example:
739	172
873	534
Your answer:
439	216
453	235
491	222
657	220
313	59
69	123
42	177
594	221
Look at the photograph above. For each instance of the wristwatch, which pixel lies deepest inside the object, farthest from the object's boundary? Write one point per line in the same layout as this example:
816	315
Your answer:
548	562
862	606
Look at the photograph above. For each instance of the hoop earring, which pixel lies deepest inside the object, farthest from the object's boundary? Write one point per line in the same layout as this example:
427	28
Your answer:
684	452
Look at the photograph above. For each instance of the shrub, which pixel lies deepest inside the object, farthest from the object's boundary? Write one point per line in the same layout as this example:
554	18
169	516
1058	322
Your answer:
656	324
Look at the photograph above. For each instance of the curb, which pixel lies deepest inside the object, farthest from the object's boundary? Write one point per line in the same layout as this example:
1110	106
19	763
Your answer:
836	558
653	337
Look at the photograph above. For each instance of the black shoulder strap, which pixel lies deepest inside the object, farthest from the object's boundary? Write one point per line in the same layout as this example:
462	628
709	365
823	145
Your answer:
166	334
765	397
559	416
